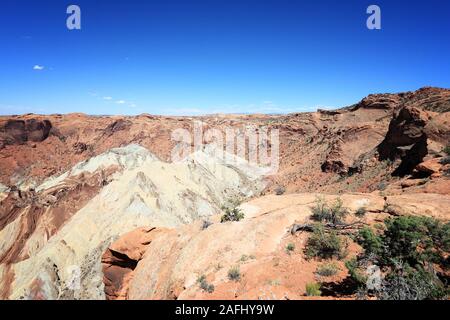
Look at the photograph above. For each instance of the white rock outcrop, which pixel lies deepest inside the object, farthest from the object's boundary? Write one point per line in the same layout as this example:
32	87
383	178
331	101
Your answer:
143	192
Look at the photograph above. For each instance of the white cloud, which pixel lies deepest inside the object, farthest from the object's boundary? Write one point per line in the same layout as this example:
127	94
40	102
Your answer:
110	99
38	67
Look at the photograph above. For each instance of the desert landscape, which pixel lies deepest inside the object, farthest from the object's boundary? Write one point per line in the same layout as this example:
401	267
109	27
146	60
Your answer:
93	207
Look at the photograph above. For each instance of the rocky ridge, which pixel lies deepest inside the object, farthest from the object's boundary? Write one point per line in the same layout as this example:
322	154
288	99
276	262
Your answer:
99	200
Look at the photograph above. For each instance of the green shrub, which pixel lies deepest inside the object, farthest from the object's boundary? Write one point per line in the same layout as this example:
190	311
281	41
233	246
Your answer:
234	274
355	271
320	211
204	285
447	149
369	241
338	211
415	240
290	248
313	289
245	257
378	226
407	283
407	252
201	279
233	214
323	212
324	244
328	269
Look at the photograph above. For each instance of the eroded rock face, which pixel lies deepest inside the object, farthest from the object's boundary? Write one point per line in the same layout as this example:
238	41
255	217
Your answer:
426	98
69	194
175	259
118	125
314	147
429	167
142	191
29	218
381	101
21	131
406	139
122	257
420	204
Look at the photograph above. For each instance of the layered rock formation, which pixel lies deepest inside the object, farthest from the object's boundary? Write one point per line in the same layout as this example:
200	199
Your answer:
173	261
43	244
122	257
94	208
21	131
406	139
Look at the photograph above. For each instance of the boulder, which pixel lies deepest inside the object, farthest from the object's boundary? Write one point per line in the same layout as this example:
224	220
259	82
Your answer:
406	139
121	258
429	167
20	131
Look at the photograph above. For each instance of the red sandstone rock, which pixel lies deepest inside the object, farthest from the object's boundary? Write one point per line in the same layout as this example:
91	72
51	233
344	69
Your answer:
122	257
431	166
330	152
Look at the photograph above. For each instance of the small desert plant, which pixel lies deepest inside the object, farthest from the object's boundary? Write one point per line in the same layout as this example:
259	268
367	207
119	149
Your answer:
245	257
280	190
320	211
387	162
370	241
382	186
378	226
445	160
361	212
206	224
324	244
232	214
290	248
327	269
234	274
338	211
323	212
313	289
447	149
275	282
204	285
355	271
447	172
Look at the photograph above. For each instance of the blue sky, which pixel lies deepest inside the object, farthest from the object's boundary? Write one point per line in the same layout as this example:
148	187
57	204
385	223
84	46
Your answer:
191	57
